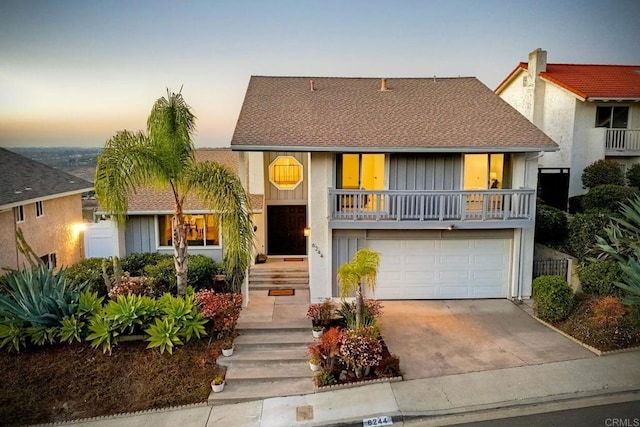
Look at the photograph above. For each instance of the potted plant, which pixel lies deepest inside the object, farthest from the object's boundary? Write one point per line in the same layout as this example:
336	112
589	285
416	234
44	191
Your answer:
261	258
315	362
227	345
217	384
317	331
320	315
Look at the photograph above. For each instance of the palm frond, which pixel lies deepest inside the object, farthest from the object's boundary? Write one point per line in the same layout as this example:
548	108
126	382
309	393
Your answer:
126	163
170	127
222	191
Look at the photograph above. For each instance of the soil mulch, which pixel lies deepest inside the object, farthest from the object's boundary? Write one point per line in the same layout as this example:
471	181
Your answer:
605	334
67	382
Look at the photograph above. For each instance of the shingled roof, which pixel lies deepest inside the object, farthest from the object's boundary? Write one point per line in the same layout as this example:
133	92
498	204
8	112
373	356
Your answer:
354	114
148	200
589	81
23	180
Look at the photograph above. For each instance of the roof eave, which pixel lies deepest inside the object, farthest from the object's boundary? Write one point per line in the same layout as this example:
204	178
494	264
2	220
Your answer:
573	91
611	99
507	80
44	198
351	149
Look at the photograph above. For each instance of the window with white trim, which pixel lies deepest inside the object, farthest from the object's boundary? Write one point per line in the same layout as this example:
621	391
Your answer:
19	213
202	230
39	209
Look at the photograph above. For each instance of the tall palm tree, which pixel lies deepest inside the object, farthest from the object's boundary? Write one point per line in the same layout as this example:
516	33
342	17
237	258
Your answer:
362	269
164	157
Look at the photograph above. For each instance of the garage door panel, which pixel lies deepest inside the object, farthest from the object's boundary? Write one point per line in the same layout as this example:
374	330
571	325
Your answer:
440	269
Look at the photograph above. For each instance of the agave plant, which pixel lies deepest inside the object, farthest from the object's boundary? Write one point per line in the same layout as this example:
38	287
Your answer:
39	296
622	243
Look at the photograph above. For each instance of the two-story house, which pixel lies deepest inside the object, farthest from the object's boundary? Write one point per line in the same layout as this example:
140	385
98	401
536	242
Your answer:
591	111
46	204
437	174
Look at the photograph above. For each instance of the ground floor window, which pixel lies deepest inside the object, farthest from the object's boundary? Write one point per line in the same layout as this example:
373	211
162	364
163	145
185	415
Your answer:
202	230
50	260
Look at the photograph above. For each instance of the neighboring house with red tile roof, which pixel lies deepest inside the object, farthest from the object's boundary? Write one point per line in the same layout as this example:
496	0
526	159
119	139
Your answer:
46	204
436	174
591	111
148	222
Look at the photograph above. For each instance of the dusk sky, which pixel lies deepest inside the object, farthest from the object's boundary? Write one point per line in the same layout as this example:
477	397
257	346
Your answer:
72	73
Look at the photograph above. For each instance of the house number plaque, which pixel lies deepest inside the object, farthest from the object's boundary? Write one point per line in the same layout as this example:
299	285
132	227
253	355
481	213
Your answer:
383	420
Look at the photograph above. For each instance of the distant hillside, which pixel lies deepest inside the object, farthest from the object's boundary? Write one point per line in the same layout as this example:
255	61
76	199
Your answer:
77	161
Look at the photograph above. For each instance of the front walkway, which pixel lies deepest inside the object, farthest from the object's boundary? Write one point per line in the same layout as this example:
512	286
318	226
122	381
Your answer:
436	338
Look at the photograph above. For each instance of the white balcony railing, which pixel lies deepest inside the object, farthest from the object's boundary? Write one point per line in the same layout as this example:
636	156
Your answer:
624	140
454	205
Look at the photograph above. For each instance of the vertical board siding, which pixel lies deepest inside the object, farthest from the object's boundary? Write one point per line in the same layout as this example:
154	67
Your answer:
299	194
140	234
345	245
425	172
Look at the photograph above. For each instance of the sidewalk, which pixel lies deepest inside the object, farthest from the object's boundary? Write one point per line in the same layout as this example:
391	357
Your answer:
414	399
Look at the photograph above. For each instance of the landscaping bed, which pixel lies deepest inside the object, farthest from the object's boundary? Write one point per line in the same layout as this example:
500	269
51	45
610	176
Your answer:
66	382
603	323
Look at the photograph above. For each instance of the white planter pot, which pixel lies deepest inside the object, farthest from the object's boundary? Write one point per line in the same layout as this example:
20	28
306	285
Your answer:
227	351
314	367
217	388
317	334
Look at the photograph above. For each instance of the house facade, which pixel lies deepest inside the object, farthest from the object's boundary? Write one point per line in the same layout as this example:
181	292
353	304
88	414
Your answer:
438	175
591	111
148	223
46	205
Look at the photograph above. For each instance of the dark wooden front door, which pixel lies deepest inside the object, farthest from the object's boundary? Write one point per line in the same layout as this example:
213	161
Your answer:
285	230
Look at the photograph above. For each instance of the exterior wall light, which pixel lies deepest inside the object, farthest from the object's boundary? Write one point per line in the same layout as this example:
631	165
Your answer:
307	231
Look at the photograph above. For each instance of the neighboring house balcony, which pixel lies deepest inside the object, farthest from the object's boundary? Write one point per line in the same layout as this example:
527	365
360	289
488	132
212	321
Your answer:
432	209
622	142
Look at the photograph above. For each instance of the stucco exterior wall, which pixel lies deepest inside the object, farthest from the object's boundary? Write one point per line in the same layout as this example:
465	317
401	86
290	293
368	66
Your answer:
558	124
8	252
320	174
54	232
519	95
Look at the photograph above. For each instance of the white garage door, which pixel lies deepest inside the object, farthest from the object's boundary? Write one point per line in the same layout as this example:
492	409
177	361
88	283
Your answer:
442	269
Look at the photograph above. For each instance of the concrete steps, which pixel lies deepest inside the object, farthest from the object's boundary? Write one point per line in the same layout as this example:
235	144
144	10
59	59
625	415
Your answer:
269	360
278	278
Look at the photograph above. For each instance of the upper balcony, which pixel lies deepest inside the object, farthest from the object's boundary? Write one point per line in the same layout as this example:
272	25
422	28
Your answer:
432	209
622	142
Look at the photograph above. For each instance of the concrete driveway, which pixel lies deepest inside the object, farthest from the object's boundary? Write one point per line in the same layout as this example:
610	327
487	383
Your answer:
435	338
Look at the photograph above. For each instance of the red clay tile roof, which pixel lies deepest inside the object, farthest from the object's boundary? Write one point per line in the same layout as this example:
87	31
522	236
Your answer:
353	114
149	200
592	81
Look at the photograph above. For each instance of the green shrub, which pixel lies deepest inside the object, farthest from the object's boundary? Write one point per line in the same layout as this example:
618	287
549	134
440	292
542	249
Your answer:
575	204
633	176
551	224
602	172
598	277
608	197
136	262
583	229
553	298
162	276
38	296
201	271
89	270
